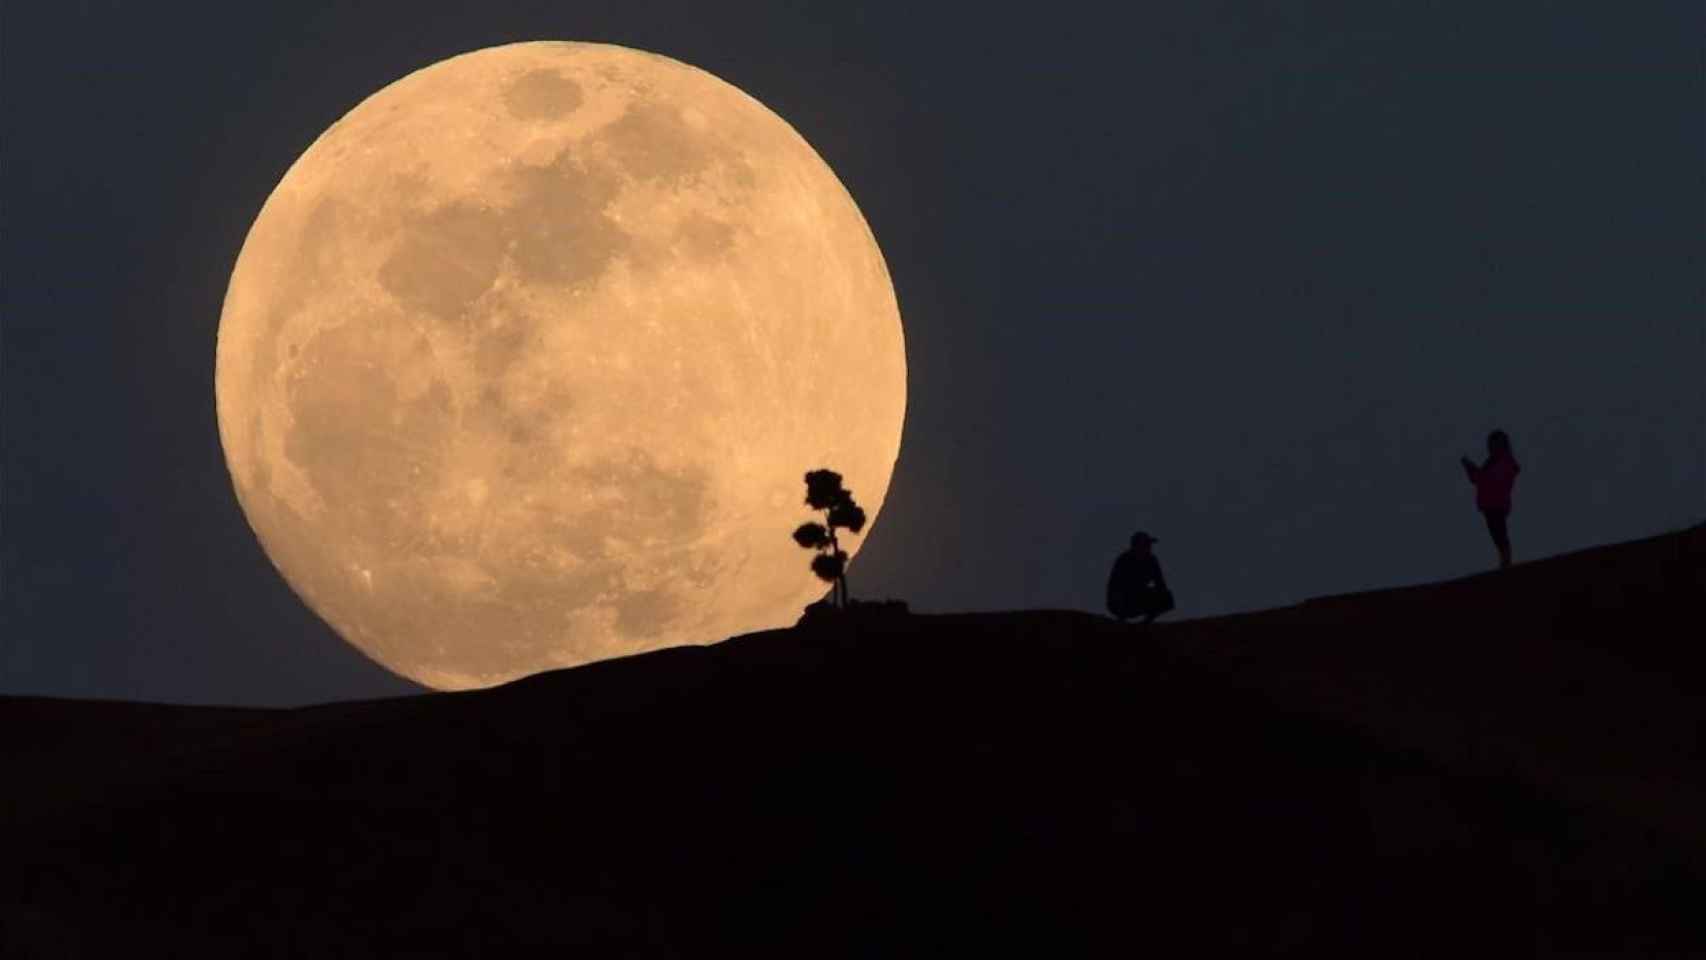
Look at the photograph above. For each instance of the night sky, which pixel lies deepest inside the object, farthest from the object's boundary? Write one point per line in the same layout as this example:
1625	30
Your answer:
1251	277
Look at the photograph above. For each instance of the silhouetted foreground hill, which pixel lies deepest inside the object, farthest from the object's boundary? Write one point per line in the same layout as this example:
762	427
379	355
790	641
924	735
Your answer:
1505	765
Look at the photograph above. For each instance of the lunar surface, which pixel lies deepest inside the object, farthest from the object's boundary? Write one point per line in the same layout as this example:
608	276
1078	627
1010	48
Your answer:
523	362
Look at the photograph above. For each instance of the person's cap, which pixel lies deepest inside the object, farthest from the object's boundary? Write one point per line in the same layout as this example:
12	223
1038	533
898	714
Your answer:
1142	536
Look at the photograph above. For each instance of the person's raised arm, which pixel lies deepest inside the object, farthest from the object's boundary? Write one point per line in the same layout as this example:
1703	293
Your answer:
1469	468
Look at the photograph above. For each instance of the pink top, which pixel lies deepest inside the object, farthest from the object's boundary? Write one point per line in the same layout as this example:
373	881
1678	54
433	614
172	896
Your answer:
1493	482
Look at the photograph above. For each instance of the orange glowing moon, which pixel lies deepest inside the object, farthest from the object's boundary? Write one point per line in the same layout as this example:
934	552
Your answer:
523	361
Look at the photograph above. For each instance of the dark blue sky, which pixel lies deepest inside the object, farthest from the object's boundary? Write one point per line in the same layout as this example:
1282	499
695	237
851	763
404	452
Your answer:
1252	281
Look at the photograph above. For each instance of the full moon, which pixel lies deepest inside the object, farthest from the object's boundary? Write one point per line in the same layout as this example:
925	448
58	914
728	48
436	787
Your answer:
523	362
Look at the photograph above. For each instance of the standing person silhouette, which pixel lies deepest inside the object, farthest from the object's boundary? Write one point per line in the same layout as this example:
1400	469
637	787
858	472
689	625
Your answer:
1136	587
1493	481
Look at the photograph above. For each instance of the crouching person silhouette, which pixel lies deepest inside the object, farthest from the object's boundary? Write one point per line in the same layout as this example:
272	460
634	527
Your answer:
1136	587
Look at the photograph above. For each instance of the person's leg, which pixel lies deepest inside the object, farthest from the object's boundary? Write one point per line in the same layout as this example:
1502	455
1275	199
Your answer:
1497	526
1155	602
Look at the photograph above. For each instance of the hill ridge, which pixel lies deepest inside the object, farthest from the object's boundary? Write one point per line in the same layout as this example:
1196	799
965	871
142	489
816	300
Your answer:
1520	752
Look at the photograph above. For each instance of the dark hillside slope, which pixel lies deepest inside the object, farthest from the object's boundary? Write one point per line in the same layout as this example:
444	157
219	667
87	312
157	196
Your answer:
1049	783
1583	673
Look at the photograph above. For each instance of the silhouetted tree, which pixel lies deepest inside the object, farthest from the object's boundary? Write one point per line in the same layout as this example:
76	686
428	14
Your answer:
824	492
